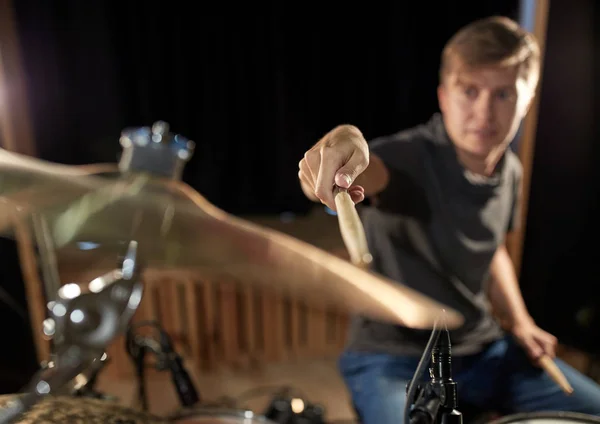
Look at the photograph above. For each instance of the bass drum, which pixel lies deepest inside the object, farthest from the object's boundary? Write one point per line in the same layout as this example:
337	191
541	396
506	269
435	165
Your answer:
548	418
80	410
219	416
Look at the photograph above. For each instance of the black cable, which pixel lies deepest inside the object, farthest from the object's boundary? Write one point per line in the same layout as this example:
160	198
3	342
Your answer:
138	355
141	376
167	359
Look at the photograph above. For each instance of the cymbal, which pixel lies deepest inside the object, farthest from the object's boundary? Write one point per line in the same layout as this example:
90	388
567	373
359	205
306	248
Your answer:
54	409
92	217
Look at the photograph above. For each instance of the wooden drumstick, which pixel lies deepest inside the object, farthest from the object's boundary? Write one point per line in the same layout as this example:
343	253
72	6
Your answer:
554	372
353	232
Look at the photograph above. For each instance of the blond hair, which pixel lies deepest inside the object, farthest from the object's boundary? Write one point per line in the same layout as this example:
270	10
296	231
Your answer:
493	41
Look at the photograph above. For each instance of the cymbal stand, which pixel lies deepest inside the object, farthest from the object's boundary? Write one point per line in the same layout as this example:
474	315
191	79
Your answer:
48	267
85	323
47	256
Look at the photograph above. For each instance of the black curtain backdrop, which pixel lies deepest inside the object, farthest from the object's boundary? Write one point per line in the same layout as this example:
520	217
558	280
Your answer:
253	86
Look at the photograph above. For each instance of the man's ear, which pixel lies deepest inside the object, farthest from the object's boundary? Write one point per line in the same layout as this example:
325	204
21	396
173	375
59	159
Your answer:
441	94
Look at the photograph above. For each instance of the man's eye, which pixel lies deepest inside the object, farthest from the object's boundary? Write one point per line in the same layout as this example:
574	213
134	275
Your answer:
504	95
470	92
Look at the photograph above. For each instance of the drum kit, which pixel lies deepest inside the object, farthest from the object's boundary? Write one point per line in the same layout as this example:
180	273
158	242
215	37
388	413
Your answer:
142	216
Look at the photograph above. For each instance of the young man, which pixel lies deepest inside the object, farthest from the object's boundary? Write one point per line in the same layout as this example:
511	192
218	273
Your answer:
445	195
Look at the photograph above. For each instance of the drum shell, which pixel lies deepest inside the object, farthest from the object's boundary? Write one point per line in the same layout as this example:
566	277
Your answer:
547	418
219	416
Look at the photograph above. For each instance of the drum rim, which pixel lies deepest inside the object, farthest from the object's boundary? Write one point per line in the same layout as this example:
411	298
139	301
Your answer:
210	411
578	416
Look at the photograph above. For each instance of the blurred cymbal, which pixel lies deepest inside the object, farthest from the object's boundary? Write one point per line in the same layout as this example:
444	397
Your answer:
91	218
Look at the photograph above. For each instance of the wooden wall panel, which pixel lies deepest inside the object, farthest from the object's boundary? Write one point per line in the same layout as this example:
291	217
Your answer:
239	327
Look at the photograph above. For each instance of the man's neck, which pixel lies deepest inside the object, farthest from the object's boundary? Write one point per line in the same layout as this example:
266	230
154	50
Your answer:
481	165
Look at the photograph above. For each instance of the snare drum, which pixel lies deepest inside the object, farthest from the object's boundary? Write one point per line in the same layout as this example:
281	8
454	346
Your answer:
548	418
219	416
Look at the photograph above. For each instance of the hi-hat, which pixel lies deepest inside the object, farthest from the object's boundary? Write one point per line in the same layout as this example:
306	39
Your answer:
91	218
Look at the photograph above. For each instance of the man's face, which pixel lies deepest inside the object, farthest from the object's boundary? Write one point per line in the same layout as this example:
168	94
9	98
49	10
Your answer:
482	107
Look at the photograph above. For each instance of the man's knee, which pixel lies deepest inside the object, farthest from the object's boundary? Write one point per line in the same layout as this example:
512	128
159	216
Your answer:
380	400
378	395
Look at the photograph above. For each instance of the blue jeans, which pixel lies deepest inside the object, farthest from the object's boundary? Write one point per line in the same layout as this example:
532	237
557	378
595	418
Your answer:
501	378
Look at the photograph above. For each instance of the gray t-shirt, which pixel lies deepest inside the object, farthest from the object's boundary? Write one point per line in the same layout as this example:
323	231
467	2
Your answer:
435	228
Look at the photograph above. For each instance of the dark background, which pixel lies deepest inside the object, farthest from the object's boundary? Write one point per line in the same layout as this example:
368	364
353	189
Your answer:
255	87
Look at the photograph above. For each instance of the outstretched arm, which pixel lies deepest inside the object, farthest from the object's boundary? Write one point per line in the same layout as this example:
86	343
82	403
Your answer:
507	301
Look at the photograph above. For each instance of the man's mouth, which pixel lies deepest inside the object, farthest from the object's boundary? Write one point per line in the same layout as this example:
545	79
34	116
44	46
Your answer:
484	133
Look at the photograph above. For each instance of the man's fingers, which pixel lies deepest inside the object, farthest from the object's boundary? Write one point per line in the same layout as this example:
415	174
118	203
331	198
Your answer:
357	196
312	160
330	163
305	175
534	349
306	181
548	342
550	349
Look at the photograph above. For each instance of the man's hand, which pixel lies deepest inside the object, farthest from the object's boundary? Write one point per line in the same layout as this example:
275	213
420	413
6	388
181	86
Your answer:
534	340
337	159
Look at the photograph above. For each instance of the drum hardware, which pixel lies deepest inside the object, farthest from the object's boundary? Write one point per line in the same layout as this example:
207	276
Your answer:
85	321
48	268
155	150
288	408
434	402
47	256
167	358
83	384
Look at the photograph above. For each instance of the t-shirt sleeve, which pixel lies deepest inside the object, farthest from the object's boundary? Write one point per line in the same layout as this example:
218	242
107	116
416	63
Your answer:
401	154
399	151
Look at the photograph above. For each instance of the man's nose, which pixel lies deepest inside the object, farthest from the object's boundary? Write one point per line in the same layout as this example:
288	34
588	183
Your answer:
484	108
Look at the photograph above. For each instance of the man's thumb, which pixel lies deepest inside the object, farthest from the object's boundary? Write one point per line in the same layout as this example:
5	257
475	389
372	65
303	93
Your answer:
342	179
346	175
